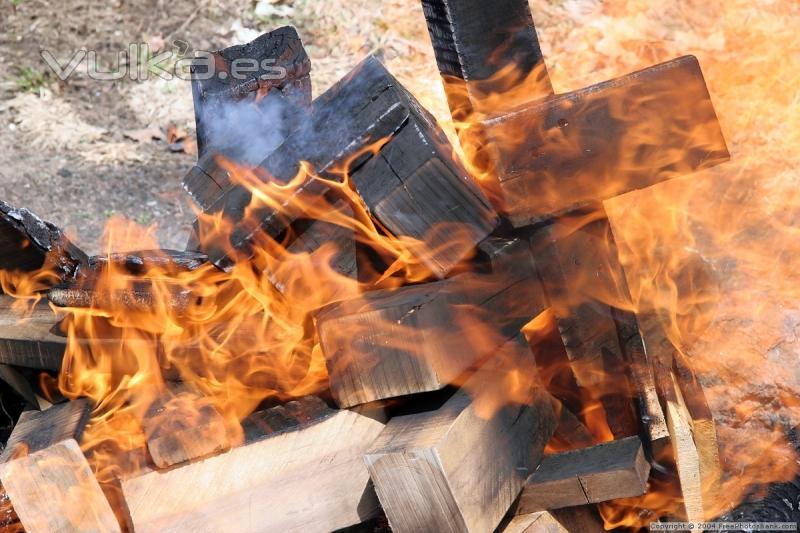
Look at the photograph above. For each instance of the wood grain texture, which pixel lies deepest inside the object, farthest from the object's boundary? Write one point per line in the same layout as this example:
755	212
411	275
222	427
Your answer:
413	185
460	467
704	429
181	426
54	491
583	519
475	63
33	339
421	338
38	430
311	478
604	472
573	258
280	99
605	140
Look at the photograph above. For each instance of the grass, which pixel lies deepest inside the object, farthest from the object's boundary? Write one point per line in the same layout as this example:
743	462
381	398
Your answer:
29	79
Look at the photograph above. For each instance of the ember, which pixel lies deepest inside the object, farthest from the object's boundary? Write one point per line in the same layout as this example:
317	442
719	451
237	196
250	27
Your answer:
369	321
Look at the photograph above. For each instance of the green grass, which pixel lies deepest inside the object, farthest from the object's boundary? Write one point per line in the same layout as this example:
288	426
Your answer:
29	79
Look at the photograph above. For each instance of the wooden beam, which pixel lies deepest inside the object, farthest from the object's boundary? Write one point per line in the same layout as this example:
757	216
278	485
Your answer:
573	260
583	519
54	489
249	87
139	294
181	426
604	140
704	429
28	243
571	433
397	158
35	340
38	430
148	261
425	466
604	472
421	338
307	475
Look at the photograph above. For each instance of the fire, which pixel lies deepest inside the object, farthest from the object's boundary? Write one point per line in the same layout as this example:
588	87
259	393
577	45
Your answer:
711	255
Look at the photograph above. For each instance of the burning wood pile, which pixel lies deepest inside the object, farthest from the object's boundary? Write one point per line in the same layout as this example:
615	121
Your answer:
365	321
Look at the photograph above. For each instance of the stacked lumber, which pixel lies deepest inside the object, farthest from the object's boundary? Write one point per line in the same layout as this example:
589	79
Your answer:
507	386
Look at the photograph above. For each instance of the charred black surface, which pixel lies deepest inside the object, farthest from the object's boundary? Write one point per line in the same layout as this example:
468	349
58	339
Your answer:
28	243
411	185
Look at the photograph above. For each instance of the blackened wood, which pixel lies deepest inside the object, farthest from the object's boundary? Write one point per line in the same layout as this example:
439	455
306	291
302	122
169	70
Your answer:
141	295
486	48
421	338
28	243
573	264
604	140
413	186
460	467
181	425
147	261
280	76
604	472
38	430
312	236
291	416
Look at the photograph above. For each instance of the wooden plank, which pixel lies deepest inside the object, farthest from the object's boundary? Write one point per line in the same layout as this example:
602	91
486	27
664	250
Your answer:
413	185
28	243
269	75
144	294
148	262
38	430
608	471
425	466
181	426
306	477
573	263
54	489
604	140
483	71
35	340
570	433
583	519
421	338
311	241
704	429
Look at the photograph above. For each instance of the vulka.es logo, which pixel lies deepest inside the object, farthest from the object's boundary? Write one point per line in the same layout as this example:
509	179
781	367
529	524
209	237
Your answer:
139	64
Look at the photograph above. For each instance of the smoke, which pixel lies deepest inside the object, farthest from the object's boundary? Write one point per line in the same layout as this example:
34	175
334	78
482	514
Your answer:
247	131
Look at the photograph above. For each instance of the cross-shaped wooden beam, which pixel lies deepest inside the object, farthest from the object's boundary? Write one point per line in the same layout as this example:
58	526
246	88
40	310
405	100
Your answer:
552	154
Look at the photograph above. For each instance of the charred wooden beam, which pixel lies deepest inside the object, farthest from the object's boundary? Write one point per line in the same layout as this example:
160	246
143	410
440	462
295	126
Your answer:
486	71
181	426
413	185
148	261
573	263
421	338
604	472
38	430
603	140
313	236
54	489
262	83
310	469
141	294
28	243
424	466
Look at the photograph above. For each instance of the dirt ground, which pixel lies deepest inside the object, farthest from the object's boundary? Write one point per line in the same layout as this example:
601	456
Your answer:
64	153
